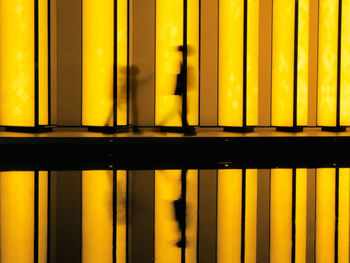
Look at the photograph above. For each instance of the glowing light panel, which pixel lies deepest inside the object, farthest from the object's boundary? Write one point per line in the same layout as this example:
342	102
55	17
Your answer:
98	62
17	63
283	63
169	35
231	47
327	63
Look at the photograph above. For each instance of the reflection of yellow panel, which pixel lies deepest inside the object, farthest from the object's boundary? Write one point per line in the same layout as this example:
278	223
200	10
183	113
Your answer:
281	215
343	230
121	216
300	215
98	40
167	233
17	63
169	35
283	63
97	216
122	62
345	65
327	63
17	217
43	63
303	63
251	215
229	216
325	214
252	62
231	62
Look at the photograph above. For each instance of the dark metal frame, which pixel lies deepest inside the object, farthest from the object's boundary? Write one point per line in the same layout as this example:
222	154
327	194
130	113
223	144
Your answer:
37	128
295	127
116	128
245	128
338	127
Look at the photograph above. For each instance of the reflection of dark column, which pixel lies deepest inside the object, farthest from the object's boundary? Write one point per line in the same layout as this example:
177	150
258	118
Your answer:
207	219
294	195
263	216
69	201
243	215
336	234
311	215
183	219
141	217
114	258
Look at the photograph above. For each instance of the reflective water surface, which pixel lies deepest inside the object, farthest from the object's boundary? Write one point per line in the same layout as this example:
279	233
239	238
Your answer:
227	215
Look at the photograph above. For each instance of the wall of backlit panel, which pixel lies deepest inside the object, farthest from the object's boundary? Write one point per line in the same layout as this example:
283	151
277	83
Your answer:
332	215
290	63
24	63
169	35
20	217
283	196
333	97
104	63
167	232
230	216
99	221
238	63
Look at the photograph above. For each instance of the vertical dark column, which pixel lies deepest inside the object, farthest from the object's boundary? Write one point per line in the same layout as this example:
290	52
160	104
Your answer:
184	61
245	43
295	87
49	59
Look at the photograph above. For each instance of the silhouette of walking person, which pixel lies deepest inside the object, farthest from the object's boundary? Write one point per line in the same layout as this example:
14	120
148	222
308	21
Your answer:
181	90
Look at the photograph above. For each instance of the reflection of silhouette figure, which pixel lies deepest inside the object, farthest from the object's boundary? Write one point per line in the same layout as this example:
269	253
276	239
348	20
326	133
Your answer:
180	211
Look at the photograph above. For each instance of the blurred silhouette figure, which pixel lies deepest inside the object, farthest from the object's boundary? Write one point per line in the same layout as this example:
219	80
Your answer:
181	90
180	212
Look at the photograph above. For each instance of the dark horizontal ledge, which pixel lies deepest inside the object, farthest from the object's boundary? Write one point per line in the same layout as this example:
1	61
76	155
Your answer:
209	149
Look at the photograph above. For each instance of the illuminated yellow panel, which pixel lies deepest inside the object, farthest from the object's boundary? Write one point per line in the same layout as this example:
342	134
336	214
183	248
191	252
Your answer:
343	230
281	215
251	215
345	66
169	35
43	63
167	232
300	215
325	214
122	62
97	216
252	62
229	216
327	63
231	22
303	63
43	213
121	216
17	217
16	63
283	62
98	53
